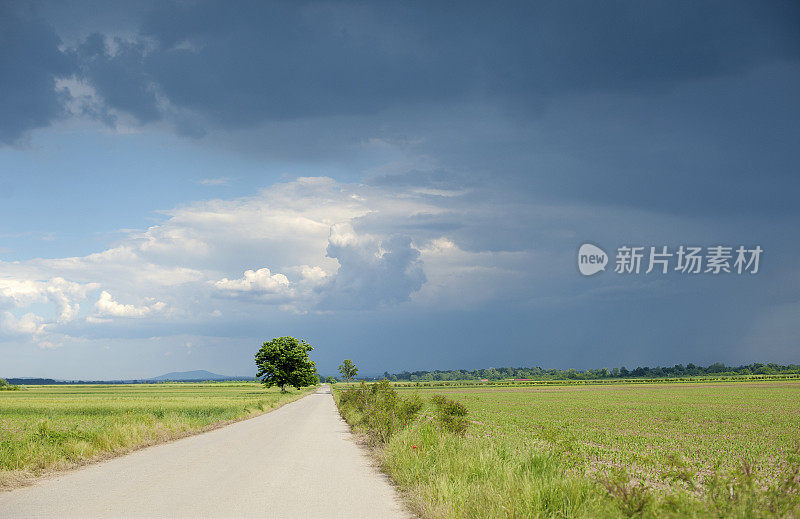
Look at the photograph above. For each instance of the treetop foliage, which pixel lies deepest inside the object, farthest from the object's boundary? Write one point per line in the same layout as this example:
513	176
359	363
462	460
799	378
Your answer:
284	361
348	369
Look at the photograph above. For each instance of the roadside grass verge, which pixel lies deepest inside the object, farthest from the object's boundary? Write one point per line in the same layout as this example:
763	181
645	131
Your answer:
49	428
579	453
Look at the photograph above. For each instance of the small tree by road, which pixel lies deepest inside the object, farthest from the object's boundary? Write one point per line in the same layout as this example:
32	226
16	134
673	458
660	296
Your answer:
348	369
284	361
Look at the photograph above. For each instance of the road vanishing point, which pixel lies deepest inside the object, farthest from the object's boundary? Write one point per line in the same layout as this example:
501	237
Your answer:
298	461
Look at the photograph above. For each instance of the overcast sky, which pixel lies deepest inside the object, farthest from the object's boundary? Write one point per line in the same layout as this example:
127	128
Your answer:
404	184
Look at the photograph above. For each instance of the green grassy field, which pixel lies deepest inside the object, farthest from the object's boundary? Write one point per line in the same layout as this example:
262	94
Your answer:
55	427
683	450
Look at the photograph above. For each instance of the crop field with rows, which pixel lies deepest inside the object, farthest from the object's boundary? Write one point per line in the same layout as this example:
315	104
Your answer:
684	449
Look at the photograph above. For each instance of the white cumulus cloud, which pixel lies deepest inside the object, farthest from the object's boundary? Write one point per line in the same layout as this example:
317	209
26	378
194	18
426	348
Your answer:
261	280
308	245
107	307
28	324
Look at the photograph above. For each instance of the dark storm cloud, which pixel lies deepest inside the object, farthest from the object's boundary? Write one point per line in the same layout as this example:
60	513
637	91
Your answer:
631	46
217	65
276	61
671	106
30	62
118	76
282	61
716	146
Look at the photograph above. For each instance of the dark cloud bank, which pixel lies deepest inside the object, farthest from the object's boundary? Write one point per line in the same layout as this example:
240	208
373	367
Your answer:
274	61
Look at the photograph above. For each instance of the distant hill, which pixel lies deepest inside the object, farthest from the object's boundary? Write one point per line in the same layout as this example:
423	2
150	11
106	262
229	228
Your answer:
199	374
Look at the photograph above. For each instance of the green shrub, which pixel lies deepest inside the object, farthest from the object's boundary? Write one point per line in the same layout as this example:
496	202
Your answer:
451	415
378	410
5	386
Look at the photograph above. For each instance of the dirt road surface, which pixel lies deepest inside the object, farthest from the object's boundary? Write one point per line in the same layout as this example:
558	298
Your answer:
299	461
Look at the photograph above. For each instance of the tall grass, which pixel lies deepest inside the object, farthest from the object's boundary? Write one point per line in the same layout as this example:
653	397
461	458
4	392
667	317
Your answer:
448	475
55	427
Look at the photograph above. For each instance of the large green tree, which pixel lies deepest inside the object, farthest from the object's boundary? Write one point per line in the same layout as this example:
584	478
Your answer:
348	369
284	361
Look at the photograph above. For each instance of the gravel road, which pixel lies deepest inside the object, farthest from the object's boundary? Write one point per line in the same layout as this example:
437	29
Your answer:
297	461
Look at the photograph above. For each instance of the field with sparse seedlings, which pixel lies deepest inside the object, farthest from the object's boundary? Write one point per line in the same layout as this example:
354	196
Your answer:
625	450
54	427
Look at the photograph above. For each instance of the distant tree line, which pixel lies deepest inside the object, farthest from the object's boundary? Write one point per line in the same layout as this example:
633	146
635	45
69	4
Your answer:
35	381
537	373
5	386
